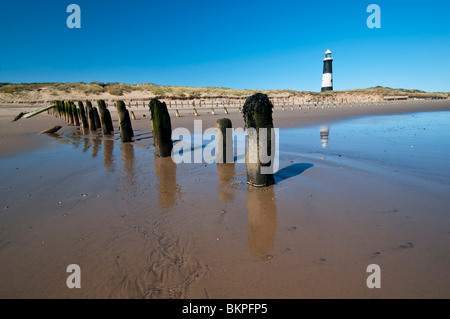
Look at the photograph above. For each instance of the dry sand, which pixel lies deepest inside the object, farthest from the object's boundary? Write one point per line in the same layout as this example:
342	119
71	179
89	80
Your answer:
141	226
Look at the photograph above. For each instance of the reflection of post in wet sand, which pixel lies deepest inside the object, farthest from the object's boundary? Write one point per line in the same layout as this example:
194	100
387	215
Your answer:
324	133
166	171
108	157
262	221
86	144
128	160
226	174
96	142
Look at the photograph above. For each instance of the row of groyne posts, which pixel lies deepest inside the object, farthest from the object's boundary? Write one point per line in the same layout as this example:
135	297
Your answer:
282	103
257	111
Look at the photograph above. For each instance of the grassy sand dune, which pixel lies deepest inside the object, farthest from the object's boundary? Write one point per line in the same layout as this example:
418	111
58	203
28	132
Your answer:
41	93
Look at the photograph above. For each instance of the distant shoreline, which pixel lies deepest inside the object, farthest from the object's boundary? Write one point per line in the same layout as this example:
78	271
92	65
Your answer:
21	136
43	93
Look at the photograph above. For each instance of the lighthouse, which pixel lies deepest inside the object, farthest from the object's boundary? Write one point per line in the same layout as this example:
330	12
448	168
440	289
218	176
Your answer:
327	76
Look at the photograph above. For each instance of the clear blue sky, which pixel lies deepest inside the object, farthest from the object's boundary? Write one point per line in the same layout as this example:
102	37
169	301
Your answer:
238	44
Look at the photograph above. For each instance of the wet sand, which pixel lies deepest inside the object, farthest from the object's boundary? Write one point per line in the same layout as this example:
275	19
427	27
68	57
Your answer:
142	227
20	136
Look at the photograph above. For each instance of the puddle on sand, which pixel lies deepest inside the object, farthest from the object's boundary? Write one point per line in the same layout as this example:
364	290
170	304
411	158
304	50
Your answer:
417	143
166	230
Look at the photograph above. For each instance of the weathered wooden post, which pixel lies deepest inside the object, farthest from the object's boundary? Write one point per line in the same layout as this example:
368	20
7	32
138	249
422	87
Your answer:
90	116
98	123
224	153
162	128
75	114
65	111
58	108
105	118
126	130
84	121
260	142
70	113
53	129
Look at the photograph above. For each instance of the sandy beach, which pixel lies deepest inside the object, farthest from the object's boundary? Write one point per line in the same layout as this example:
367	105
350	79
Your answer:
140	226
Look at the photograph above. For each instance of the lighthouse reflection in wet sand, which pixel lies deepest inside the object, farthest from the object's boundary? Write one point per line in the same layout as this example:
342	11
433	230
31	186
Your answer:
327	76
324	133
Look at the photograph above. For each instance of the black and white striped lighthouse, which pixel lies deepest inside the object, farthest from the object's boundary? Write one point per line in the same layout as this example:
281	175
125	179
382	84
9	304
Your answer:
327	76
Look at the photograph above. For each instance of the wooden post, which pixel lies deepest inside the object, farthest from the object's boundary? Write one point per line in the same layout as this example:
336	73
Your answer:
126	130
38	111
162	128
84	121
258	116
105	118
90	116
224	138
53	129
75	114
98	123
70	112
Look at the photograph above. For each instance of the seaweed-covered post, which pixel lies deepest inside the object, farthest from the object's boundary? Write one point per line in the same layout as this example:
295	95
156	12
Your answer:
64	108
75	114
260	142
224	152
98	123
126	131
91	116
69	113
84	121
162	128
105	118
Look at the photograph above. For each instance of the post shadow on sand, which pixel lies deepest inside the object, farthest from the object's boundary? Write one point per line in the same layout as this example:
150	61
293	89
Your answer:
291	171
262	220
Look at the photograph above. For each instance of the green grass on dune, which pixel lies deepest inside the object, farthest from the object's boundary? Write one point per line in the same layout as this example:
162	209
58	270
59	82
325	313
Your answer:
119	89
